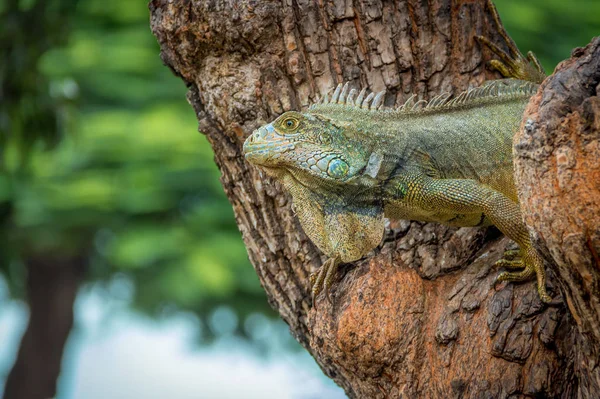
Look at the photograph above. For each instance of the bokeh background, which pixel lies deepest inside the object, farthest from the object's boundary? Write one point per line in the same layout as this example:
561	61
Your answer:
111	203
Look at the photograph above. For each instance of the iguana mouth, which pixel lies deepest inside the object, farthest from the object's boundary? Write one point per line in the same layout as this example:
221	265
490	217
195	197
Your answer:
264	152
262	145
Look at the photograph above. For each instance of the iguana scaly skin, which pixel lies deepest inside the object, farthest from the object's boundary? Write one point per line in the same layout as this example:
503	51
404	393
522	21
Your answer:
348	164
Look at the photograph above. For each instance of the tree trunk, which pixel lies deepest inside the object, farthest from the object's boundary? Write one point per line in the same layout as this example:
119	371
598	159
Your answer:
52	286
418	317
557	159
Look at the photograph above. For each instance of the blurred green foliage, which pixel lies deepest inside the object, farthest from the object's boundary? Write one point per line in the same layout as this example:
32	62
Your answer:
550	28
130	184
30	112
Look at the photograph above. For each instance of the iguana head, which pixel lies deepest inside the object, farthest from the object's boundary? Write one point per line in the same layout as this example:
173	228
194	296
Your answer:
307	143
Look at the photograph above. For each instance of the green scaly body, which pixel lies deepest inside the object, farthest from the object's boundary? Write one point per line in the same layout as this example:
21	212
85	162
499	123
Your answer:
462	140
348	164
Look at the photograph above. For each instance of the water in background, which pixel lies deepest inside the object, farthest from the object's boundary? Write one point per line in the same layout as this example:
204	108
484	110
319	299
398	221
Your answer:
116	353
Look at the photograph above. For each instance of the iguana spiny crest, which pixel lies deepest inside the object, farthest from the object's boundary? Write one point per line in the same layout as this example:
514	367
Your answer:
327	143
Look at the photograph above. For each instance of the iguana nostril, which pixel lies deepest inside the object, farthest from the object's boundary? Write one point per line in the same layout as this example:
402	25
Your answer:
258	135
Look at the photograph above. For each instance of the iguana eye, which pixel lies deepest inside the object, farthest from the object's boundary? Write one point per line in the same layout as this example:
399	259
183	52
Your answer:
290	123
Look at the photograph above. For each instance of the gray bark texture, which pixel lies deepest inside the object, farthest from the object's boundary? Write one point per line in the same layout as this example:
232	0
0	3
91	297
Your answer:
418	317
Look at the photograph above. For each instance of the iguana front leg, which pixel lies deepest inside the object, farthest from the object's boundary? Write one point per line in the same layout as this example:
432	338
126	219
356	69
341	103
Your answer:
344	232
465	196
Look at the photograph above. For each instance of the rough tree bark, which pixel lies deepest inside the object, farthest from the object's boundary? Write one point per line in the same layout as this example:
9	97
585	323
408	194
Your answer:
558	175
418	317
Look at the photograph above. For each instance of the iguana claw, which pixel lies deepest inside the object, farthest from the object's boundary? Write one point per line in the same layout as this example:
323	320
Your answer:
511	260
322	279
512	254
531	263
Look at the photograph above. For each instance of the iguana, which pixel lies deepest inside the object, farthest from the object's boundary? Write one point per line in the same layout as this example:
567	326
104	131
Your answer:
348	163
